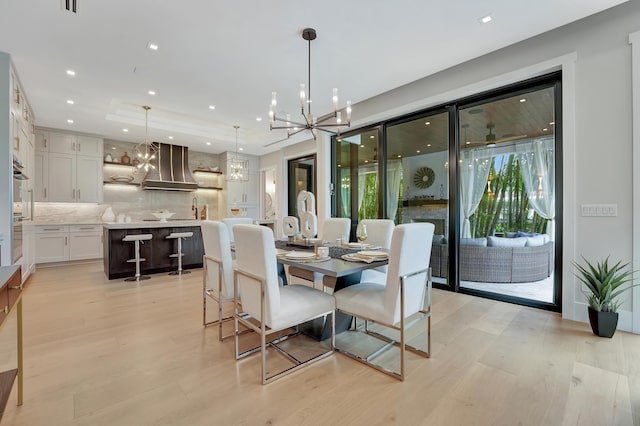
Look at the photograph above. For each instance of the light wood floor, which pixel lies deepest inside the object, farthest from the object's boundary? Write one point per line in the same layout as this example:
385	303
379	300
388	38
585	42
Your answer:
101	352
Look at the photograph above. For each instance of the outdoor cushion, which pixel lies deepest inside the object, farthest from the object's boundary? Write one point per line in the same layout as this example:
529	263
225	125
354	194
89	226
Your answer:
506	242
536	241
480	242
525	234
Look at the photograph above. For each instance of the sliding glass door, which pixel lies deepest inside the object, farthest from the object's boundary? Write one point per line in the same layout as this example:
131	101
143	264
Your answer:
417	171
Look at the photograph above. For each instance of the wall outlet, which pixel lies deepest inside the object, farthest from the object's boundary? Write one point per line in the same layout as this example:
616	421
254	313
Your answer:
599	210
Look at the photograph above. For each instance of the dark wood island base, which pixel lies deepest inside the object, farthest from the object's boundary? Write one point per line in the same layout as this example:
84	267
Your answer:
156	251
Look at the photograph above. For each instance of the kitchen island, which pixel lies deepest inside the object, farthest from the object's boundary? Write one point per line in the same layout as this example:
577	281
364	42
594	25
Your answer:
156	251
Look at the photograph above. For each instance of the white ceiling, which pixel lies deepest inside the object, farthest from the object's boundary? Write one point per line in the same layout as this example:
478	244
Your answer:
234	54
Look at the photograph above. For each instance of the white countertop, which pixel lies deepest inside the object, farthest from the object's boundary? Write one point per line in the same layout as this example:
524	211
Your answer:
54	223
152	224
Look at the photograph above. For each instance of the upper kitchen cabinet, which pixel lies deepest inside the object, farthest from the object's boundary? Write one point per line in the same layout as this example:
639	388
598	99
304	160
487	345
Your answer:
71	167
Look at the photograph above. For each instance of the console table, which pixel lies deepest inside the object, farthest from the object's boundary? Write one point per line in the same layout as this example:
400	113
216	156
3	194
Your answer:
10	299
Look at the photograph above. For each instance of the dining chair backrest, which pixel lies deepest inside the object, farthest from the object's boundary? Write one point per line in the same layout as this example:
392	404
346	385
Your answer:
215	238
379	231
335	227
232	221
410	252
256	254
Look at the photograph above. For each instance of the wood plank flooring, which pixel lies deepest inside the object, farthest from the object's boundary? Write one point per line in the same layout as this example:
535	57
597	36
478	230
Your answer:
101	352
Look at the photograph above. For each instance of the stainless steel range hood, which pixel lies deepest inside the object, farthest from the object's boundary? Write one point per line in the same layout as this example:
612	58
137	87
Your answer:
172	170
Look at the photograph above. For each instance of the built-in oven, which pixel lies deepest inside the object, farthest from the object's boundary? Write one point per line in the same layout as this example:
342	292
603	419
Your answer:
19	209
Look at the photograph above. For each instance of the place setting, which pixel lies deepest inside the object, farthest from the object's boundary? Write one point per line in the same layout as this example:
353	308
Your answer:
367	256
305	256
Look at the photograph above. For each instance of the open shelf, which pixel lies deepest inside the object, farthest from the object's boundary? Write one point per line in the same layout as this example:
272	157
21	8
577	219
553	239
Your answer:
106	163
207	171
209	187
110	182
423	202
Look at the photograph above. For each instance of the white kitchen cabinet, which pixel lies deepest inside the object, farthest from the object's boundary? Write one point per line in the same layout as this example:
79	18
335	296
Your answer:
85	242
62	143
42	141
52	243
40	176
69	168
62	178
88	179
61	243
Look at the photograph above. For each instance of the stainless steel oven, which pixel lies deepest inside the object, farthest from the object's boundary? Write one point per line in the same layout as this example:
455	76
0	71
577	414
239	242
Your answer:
19	209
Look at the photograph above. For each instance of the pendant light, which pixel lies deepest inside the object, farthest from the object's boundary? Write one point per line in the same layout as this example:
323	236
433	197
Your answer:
236	169
146	151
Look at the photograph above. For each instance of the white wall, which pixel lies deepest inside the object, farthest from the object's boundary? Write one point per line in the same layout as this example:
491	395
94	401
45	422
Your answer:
595	57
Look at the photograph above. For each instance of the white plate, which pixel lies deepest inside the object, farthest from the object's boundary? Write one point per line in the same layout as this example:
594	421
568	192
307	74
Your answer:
300	255
374	253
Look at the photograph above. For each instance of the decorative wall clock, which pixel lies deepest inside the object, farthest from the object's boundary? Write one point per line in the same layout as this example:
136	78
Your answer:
424	177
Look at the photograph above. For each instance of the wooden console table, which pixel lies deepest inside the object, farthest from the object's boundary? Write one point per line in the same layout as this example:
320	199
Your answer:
10	298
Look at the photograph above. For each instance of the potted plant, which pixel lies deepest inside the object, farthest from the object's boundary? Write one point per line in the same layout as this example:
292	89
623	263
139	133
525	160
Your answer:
604	284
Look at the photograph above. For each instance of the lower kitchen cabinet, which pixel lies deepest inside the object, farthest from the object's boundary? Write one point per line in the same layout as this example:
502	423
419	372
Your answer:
61	243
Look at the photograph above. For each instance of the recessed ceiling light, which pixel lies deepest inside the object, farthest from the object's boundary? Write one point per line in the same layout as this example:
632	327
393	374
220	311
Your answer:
366	161
212	107
125	130
523	100
151	92
170	137
372	137
545	129
551	123
71	72
339	165
339	140
399	156
361	146
240	149
417	151
258	118
468	143
70	121
153	46
208	143
113	148
427	123
428	144
486	19
70	101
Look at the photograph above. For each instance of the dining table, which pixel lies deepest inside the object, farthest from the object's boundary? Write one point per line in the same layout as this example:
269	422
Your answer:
337	274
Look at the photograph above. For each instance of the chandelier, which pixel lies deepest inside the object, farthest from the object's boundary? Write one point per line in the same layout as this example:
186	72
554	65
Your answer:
312	123
236	168
146	151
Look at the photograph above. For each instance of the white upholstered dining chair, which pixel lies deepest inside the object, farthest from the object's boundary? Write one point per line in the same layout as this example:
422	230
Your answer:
378	234
230	222
407	293
268	308
217	275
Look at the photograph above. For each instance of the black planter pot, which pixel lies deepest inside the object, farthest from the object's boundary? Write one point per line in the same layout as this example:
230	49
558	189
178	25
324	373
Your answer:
603	324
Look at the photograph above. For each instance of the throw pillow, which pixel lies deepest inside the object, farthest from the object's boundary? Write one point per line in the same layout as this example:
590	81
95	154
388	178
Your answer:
479	242
525	234
511	234
536	241
507	242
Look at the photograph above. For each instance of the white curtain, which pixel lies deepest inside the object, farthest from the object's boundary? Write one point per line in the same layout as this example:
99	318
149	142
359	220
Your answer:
394	175
537	165
345	192
474	171
362	176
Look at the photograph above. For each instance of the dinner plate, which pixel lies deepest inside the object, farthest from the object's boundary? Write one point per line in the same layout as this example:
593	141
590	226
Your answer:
373	253
358	245
300	255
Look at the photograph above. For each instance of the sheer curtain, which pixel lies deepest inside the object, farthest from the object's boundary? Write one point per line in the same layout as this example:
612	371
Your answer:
537	165
345	192
474	171
394	175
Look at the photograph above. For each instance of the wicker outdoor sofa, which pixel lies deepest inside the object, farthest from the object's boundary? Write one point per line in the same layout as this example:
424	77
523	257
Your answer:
496	264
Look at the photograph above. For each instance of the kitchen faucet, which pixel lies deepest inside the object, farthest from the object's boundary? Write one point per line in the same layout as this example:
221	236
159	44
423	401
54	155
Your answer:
194	207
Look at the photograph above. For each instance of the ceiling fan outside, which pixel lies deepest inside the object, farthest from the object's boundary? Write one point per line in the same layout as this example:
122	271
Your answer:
490	139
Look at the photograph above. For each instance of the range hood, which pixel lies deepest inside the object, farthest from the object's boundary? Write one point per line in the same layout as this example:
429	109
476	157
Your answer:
172	170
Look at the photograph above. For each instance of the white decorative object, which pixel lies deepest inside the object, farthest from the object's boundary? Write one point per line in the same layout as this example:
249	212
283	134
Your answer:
162	216
308	224
108	215
306	202
290	224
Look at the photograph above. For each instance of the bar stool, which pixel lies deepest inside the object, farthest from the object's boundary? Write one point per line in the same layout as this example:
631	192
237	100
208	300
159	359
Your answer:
138	239
179	236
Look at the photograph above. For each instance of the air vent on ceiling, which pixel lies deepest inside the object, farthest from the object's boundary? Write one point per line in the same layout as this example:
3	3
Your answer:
70	5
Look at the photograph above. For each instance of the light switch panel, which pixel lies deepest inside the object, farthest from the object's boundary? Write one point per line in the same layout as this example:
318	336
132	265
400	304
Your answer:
599	210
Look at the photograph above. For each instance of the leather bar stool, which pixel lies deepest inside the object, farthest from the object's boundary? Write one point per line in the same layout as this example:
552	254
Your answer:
179	236
138	239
